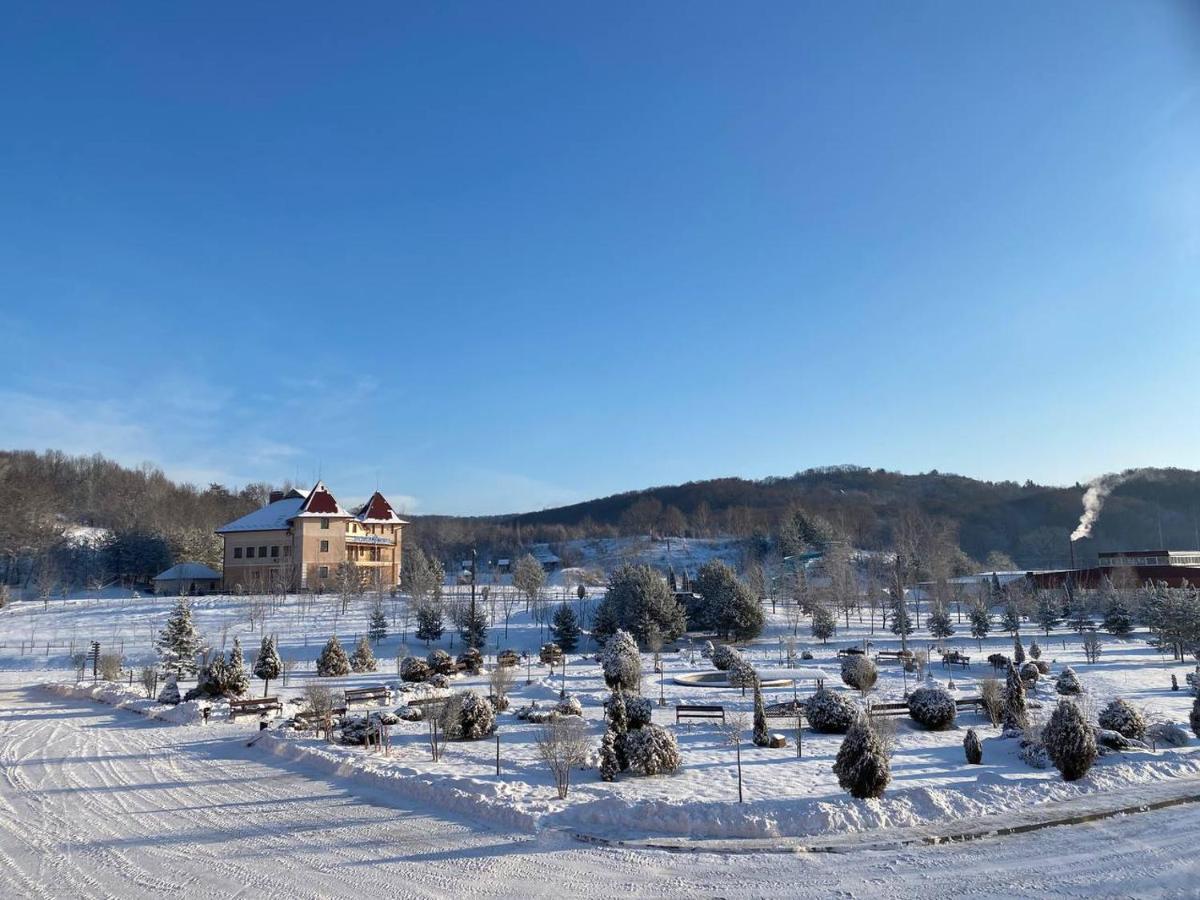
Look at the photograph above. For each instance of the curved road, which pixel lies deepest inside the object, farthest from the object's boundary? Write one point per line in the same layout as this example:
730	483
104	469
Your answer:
99	802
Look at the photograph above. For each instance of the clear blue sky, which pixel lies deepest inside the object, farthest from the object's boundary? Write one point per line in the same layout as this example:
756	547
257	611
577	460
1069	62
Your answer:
494	257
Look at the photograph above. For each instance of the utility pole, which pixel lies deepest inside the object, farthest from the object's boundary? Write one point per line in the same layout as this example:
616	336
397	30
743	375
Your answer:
474	558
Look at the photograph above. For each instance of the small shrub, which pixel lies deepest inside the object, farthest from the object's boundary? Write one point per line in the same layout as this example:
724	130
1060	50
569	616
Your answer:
1167	733
109	667
932	707
1070	742
170	692
476	717
806	654
859	672
570	706
862	766
471	661
622	662
1068	683
637	710
438	680
973	748
414	669
610	765
1043	667
363	659
830	713
440	662
1122	717
707	650
991	694
1194	717
652	750
724	658
1030	673
333	661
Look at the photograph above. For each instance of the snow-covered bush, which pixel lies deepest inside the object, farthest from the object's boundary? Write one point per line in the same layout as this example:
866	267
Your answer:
477	719
471	661
1030	673
440	662
499	704
637	710
621	661
1043	667
333	662
806	654
411	713
1167	733
724	657
536	714
1194	717
1015	715
862	766
610	764
973	747
859	672
1068	683
707	650
830	713
741	674
1124	718
570	706
414	669
438	680
999	661
1070	742
1035	652
652	750
170	692
932	707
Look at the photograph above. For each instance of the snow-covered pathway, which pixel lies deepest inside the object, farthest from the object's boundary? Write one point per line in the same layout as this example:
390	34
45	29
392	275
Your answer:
99	802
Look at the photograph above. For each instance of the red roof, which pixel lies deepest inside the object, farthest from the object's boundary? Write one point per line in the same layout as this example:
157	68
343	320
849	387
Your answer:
321	503
377	508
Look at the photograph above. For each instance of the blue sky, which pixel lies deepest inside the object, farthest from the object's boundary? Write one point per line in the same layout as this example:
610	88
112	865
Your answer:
495	257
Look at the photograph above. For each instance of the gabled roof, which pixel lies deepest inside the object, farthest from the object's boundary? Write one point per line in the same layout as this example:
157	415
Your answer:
320	502
182	571
377	510
272	517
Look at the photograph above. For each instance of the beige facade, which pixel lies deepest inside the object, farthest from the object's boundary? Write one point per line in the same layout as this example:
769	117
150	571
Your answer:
298	541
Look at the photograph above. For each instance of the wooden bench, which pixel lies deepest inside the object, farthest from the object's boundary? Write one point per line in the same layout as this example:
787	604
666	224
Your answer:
424	702
851	651
900	656
789	709
954	658
254	707
691	711
368	695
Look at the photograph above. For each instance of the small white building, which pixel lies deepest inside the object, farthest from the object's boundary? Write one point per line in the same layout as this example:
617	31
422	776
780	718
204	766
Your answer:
187	578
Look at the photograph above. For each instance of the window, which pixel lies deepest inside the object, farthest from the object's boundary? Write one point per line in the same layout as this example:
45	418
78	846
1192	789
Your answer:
274	552
262	552
322	571
325	524
324	546
249	553
237	552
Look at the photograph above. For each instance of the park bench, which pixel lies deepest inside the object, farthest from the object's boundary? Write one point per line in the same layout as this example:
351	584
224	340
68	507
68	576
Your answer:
899	656
851	651
368	695
789	709
692	711
254	707
426	702
954	658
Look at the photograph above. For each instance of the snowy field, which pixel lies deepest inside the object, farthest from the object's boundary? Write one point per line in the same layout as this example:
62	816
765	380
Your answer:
83	764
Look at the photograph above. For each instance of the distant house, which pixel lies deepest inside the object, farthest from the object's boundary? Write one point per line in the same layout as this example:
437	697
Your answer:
504	565
187	578
543	554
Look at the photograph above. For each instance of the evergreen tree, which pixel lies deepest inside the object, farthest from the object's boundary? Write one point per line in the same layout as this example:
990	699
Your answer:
1015	715
1070	741
179	643
565	628
939	622
973	747
332	661
1080	619
727	606
362	659
1117	620
377	628
1194	717
981	623
429	622
638	597
268	666
622	662
610	763
824	622
1018	650
237	681
762	737
1047	613
901	621
170	692
1012	619
618	725
1035	650
474	631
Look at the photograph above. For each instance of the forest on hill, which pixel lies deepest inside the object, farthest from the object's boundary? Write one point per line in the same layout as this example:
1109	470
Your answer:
148	521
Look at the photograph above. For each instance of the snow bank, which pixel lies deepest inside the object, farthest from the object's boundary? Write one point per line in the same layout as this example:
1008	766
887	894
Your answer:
121	697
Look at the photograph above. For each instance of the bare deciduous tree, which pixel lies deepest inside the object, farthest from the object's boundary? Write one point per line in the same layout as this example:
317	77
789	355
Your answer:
563	744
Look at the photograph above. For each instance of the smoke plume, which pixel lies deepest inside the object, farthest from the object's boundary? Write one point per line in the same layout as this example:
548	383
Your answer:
1097	492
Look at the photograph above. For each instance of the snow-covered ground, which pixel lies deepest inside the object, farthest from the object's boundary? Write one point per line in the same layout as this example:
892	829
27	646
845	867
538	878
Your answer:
785	795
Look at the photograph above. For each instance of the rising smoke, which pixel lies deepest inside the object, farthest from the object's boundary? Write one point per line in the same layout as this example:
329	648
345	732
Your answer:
1097	492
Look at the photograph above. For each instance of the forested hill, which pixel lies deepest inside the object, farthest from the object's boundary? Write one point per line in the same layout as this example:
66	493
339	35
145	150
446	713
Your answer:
1030	523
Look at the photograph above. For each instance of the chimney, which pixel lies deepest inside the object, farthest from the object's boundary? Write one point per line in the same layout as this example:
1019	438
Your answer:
276	496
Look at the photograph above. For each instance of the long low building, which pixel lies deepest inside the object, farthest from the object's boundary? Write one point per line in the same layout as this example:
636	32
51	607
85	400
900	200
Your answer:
300	538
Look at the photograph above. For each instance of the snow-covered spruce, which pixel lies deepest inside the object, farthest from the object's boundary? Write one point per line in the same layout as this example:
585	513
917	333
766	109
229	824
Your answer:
1016	717
178	644
621	661
362	659
1035	652
1124	718
1030	673
862	766
830	713
414	669
1194	717
440	662
741	674
761	736
170	692
1069	740
859	672
652	750
477	718
724	658
636	710
333	661
610	765
268	666
932	707
1068	683
973	747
